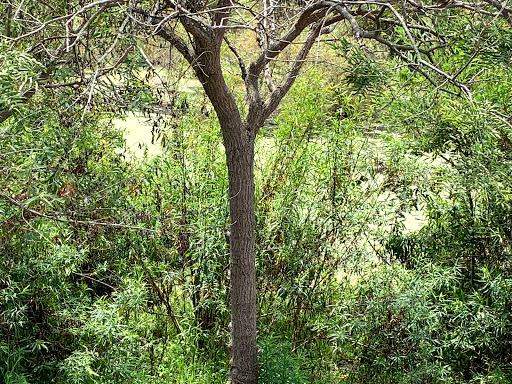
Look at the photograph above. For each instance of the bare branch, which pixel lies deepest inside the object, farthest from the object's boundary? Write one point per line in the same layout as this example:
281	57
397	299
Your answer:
241	63
310	15
40	28
91	223
502	8
221	15
262	39
88	276
282	89
166	33
69	17
178	43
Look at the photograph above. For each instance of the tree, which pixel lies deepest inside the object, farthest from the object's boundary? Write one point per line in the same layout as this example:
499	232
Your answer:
92	39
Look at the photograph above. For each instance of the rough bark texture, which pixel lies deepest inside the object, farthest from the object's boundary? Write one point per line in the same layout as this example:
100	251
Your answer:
239	145
240	160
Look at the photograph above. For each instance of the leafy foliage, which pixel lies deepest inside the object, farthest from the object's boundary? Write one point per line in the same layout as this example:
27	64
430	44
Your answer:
18	74
278	364
114	269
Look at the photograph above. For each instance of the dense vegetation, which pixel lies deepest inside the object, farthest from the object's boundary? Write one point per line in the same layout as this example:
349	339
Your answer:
114	268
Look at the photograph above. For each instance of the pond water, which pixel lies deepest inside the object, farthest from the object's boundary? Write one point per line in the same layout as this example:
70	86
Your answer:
137	127
138	135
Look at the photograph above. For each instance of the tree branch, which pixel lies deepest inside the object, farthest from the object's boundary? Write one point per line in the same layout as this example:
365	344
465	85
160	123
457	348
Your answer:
241	63
178	43
93	223
310	15
282	89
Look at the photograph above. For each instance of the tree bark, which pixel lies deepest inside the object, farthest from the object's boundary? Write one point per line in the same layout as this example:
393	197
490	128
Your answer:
240	162
238	137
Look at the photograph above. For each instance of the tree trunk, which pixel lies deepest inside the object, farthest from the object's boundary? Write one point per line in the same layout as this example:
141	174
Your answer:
240	162
238	140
